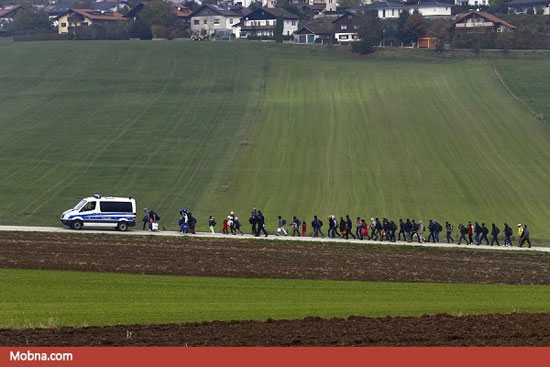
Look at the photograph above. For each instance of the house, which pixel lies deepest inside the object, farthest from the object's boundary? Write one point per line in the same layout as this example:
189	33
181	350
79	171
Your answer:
118	6
346	26
317	31
209	18
182	12
431	9
391	10
475	3
480	21
325	5
263	22
385	9
8	13
74	18
522	6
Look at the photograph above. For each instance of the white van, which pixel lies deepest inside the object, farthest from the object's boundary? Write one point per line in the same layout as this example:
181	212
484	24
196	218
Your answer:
98	211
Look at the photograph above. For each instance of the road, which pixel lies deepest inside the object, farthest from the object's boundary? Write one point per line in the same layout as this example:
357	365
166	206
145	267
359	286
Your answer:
135	232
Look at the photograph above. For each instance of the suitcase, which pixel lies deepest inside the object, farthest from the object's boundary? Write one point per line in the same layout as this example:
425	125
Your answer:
154	227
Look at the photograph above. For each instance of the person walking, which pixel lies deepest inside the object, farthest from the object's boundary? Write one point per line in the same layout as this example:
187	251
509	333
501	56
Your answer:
421	230
365	229
211	223
401	230
393	228
282	224
304	229
332	224
477	232
316	224
225	226
484	233
437	230
359	228
414	231
231	224
349	227
192	222
343	229
449	228
295	227
237	224
494	234
524	236
146	219
431	230
408	230
261	224
463	231
508	232
520	232
253	220
470	233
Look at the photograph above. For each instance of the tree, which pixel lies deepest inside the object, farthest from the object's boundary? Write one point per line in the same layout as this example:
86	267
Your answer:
403	36
415	26
158	14
30	21
279	29
370	33
530	11
81	4
140	29
539	10
346	4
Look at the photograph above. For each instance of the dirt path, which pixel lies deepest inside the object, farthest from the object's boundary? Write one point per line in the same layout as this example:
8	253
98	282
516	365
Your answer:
439	330
265	259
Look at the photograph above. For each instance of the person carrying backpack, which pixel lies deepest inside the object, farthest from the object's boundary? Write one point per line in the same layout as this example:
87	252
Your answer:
484	233
359	228
401	230
437	230
282	224
408	229
449	228
431	229
316	224
508	232
393	228
477	232
494	233
295	227
463	231
192	223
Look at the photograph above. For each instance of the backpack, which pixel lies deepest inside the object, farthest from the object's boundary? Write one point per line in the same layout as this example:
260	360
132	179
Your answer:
298	222
438	227
284	222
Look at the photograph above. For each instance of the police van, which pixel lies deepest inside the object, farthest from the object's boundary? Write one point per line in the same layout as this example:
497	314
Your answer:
101	211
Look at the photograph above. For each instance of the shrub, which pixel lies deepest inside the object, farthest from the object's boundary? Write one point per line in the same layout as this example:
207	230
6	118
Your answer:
140	29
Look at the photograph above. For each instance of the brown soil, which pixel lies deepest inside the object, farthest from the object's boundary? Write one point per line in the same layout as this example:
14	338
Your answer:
439	330
265	259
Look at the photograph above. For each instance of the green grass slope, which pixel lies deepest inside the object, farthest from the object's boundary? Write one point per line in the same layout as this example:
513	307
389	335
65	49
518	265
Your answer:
53	298
291	130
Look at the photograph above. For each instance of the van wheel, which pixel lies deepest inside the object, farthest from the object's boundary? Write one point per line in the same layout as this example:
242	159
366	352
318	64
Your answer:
122	227
77	225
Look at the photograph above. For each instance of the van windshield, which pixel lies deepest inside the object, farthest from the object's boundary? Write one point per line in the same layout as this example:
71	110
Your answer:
80	205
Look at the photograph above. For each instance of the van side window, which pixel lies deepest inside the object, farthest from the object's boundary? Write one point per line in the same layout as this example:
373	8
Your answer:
90	205
115	207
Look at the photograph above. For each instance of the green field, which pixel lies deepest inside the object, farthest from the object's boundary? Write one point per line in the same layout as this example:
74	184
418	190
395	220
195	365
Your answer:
291	130
32	298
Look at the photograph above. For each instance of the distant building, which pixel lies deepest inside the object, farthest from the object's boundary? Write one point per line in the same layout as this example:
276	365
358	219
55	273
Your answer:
480	21
7	14
392	10
118	6
263	22
346	26
474	3
209	18
315	32
522	6
74	18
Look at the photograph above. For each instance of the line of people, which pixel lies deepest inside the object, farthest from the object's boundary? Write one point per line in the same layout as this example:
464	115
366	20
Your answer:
376	229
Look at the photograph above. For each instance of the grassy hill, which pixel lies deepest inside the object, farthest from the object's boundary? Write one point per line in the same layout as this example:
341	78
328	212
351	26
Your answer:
290	130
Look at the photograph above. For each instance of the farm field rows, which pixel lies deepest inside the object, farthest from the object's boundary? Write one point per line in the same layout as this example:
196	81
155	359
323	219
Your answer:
290	130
